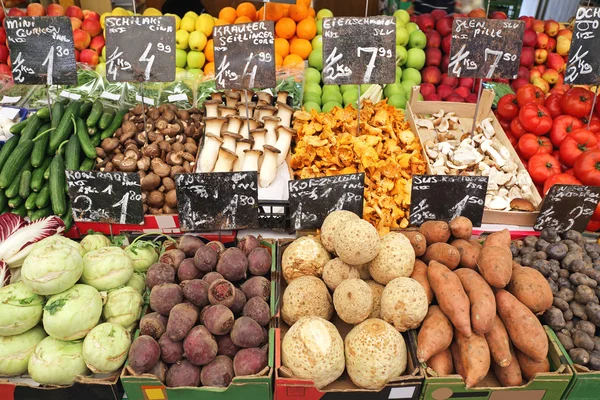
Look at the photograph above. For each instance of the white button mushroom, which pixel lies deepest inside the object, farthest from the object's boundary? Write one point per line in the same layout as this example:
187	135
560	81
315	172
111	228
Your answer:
225	160
210	152
242	146
284	142
269	166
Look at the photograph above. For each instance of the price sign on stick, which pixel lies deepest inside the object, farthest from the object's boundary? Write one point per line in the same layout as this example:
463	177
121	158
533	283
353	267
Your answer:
217	201
584	58
568	207
245	55
140	49
41	50
444	197
112	197
359	50
311	200
486	48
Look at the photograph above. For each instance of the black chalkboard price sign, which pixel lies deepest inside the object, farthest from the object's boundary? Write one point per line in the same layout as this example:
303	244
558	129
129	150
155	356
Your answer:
245	55
584	59
112	197
486	48
444	197
359	50
140	49
217	201
41	50
568	207
312	200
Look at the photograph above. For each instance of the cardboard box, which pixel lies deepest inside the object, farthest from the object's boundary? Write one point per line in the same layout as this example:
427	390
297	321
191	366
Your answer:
546	386
585	384
287	387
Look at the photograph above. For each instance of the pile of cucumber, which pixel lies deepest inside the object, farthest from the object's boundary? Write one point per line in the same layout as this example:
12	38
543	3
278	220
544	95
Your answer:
33	162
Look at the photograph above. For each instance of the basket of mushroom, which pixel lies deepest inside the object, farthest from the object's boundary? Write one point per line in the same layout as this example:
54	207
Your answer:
246	131
451	148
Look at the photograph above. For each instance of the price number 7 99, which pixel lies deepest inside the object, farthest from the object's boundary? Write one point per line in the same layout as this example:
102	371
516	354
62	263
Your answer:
375	52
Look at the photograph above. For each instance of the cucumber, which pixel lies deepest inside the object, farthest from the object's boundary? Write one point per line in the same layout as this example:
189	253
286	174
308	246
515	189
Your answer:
73	153
95	114
88	164
85	140
58	109
43	113
25	184
115	124
20	211
106	119
37	177
47	171
67	219
18	127
15	162
30	202
7	149
32	128
16	202
85	110
13	189
38	154
41	213
96	140
65	128
57	183
43	197
3	200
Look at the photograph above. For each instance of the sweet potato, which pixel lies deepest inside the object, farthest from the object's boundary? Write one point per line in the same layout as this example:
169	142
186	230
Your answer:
461	228
483	304
476	243
495	265
153	324
498	239
441	363
435	334
419	274
524	329
511	374
450	295
417	240
530	367
475	355
182	318
468	253
435	232
499	343
442	253
531	288
457	360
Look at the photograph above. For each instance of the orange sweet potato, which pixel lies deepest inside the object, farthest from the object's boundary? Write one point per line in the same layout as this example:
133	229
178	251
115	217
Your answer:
531	288
441	363
483	304
457	360
468	253
530	367
417	240
461	228
500	239
435	334
475	356
442	253
450	296
524	329
499	343
476	243
419	274
435	232
511	374
495	265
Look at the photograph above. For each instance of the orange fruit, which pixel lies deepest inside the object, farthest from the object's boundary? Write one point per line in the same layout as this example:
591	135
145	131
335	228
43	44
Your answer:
242	20
282	47
260	14
285	28
219	22
209	68
278	61
247	10
301	47
298	12
228	14
274	12
307	29
293	59
209	51
305	3
311	12
286	10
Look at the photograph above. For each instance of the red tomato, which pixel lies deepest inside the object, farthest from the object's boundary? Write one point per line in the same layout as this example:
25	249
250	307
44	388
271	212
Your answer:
596	215
569	171
552	104
594	124
542	166
593	226
577	102
511	139
587	168
505	125
508	108
562	126
560	179
516	128
575	144
535	118
530	144
530	94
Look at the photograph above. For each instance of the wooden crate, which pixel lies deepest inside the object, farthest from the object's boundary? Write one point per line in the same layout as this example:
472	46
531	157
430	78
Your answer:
465	113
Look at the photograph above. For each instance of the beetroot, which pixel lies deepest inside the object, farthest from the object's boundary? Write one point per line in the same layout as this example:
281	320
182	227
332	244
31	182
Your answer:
187	270
233	264
170	351
221	292
160	371
200	346
196	291
143	354
189	244
182	318
218	319
257	286
159	273
257	309
164	297
216	246
172	257
205	259
153	324
226	346
218	373
183	373
249	361
211	277
248	243
239	302
259	261
246	333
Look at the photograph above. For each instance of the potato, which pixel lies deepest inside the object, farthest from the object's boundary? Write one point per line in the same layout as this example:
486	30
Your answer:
200	346
555	318
587	327
183	373
159	273
257	309
475	355
257	286
246	333
259	261
582	340
164	297
206	259
248	243
511	374
461	228
336	271
495	265
468	253
481	297
226	346
211	277
524	329
442	363
376	291
153	324
417	240
442	253
331	224
396	258
403	304
221	292
144	353
218	319
217	373
499	343
187	270
419	274
451	296
498	239
250	361
170	351
579	356
435	232
306	296
353	301
233	264
531	288
435	335
196	292
239	302
530	367
182	318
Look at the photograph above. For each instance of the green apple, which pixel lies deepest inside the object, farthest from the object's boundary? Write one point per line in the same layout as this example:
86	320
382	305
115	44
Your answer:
401	36
393	90
197	41
327	107
180	74
309	106
188	24
345	88
177	20
401	55
101	69
349	97
420	97
313	88
196	59
397	101
195	73
104	52
182	39
312	75
402	15
317	42
417	39
400	23
331	97
312	98
398	74
411	27
411	74
416	58
407	85
315	59
324	13
180	58
320	27
331	89
365	87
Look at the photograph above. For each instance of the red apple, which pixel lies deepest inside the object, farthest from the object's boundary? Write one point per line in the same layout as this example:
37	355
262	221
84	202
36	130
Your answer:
427	89
2	35
534	74
92	27
413	18
446	43
444	26
529	38
451	81
55	10
433	57
462	92
523	72
444	91
477	13
519	82
550	76
97	44
35	10
75	23
445	62
563	42
472	98
3	53
432	97
542	84
538	26
551	44
74	11
498	15
16	12
5	70
431	74
425	22
469	83
528	21
81	39
551	27
77	55
555	61
89	57
540	56
527	56
434	39
91	14
438	14
2	14
454	98
541	41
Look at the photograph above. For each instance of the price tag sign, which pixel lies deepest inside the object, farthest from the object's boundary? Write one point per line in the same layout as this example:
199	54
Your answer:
140	49
584	59
41	50
486	48
444	197
312	200
245	55
568	207
217	201
359	50
112	197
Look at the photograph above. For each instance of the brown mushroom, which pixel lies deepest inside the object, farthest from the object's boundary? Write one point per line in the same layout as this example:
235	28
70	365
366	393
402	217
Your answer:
164	145
150	182
109	167
160	168
168	183
117	158
171	198
152	150
133	152
109	144
100	152
183	114
143	164
176	170
153	114
191	148
161	123
128	165
156	199
174	158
